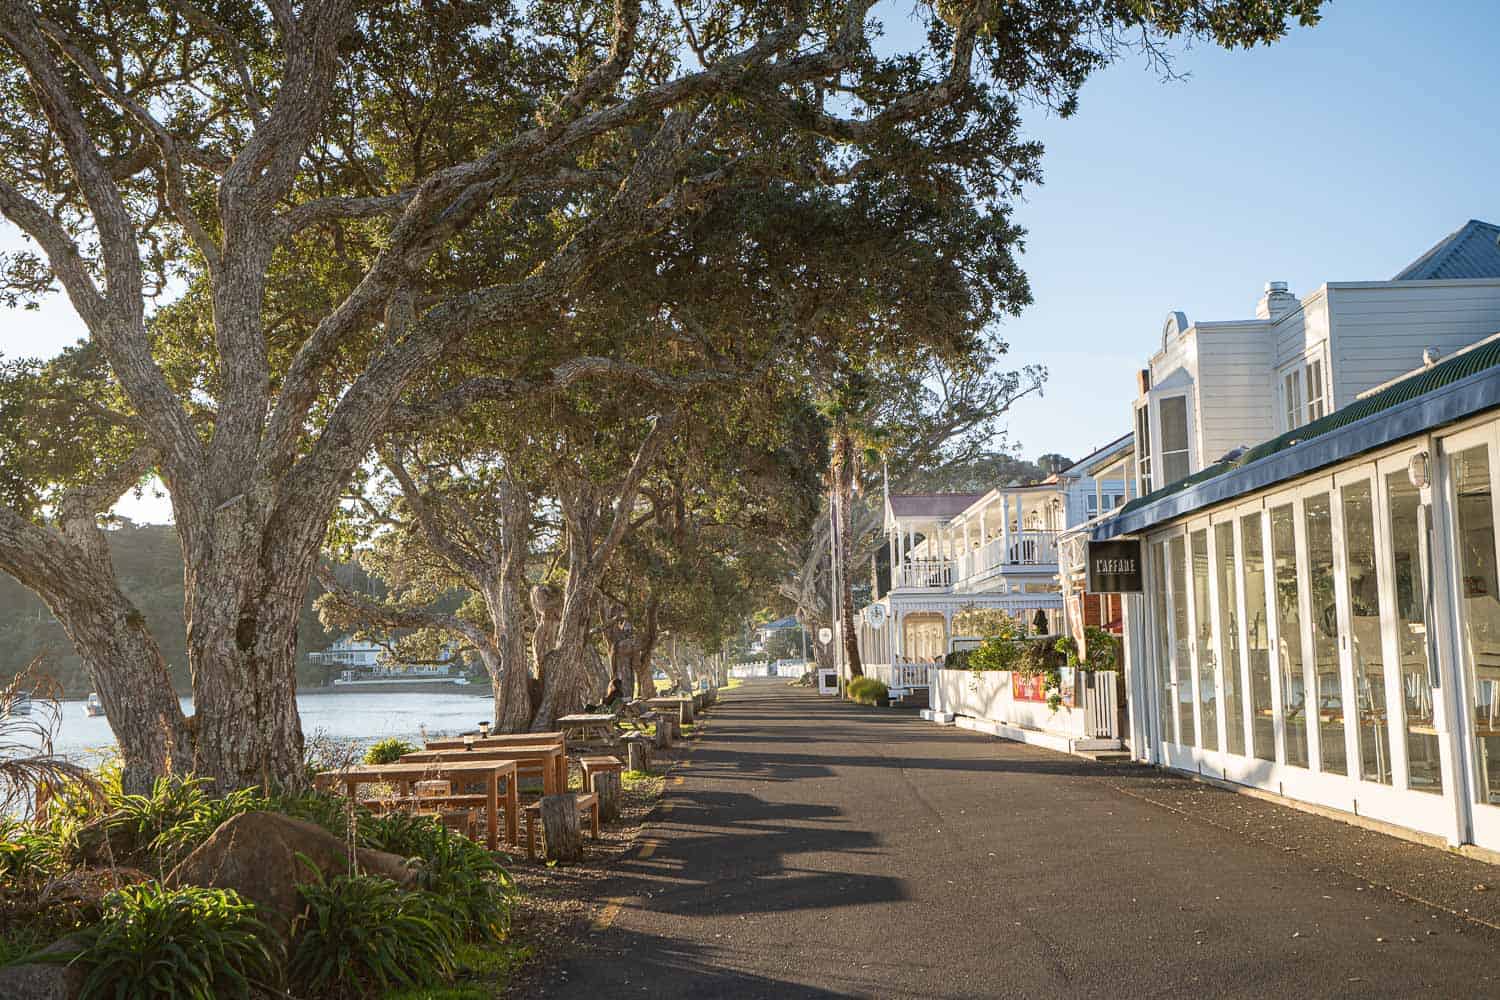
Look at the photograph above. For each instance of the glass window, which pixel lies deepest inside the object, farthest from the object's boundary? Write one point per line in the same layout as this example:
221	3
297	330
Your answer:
1143	447
1257	639
1229	638
1479	588
1364	622
1289	634
1162	648
1326	699
1182	637
1314	381
1423	765
1174	439
1291	393
1208	734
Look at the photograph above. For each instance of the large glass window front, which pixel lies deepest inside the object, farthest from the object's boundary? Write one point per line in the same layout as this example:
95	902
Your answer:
1358	501
1208	717
1182	661
1174	439
1257	639
1162	647
1424	766
1295	704
1326	702
1229	638
1474	514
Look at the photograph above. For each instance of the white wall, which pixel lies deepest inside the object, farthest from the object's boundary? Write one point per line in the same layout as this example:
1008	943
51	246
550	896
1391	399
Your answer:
1235	402
1379	329
987	695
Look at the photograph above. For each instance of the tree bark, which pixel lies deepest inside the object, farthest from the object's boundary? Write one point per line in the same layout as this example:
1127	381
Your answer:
844	483
607	787
562	829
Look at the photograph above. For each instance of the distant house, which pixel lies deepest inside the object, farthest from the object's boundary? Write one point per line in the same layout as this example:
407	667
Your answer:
357	660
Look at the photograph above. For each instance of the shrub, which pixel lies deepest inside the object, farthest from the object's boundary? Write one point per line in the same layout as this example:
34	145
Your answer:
401	833
469	881
362	935
192	943
867	691
388	751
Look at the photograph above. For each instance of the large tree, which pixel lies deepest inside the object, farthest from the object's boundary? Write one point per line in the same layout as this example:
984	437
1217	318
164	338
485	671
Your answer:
372	161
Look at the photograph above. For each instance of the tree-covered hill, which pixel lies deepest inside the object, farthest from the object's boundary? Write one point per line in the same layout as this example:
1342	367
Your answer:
148	561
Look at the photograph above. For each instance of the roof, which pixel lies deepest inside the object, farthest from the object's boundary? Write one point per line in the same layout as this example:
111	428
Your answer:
779	625
934	505
1470	252
1464	384
1085	465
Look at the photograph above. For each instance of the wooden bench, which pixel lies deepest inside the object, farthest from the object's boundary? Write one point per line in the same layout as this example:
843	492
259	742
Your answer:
587	802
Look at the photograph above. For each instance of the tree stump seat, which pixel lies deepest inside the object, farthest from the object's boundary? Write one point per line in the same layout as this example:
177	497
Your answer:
601	776
638	751
584	802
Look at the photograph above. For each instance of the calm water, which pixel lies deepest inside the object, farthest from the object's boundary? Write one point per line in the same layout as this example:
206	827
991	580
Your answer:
363	716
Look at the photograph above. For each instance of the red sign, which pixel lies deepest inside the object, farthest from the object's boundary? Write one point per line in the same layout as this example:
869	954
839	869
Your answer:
1024	688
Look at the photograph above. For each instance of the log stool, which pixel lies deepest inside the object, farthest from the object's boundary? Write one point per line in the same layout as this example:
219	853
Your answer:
601	775
561	817
663	732
638	751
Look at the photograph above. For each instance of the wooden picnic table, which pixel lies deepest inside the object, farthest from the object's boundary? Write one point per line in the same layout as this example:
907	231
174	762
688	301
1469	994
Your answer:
603	726
498	740
549	760
491	771
673	704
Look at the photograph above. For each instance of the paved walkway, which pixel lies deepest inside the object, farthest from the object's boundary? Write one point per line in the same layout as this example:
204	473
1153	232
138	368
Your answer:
818	849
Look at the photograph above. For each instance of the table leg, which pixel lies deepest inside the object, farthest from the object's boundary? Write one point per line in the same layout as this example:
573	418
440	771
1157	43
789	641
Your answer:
512	810
491	806
549	779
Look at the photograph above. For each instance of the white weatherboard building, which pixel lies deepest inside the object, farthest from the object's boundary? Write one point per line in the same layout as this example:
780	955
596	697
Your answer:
1321	611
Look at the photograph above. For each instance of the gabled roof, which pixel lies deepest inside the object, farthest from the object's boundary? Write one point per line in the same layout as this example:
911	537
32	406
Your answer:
1464	384
779	625
1471	252
1113	450
933	505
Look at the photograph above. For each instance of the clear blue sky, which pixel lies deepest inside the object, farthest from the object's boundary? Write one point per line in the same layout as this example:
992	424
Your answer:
1337	155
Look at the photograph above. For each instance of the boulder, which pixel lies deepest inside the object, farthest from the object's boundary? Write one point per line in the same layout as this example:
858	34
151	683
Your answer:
45	980
257	855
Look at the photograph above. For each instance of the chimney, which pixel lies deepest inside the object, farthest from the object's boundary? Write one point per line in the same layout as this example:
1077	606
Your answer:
1276	302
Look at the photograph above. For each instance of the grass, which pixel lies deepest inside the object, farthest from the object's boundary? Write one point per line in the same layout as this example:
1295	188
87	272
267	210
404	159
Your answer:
483	972
646	782
734	682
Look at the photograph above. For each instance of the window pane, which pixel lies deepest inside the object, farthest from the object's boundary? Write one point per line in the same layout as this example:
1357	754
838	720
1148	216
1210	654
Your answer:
1327	697
1289	633
1174	435
1257	642
1182	663
1162	649
1291	388
1474	513
1229	638
1364	622
1424	767
1208	734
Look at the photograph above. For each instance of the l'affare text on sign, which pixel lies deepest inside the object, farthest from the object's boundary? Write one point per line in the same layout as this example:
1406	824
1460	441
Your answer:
1115	567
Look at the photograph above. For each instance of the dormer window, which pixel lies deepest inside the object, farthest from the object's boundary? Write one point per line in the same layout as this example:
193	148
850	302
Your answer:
1302	394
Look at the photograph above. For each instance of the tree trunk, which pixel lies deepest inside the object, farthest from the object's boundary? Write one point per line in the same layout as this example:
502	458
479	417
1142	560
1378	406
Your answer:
844	483
512	684
645	672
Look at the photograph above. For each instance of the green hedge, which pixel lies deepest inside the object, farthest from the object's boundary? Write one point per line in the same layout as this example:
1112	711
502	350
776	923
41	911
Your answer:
867	691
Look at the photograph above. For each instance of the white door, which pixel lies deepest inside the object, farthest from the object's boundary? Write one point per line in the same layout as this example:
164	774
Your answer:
1468	469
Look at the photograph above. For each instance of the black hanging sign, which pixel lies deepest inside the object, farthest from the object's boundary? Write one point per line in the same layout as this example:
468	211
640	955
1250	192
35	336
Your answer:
1115	567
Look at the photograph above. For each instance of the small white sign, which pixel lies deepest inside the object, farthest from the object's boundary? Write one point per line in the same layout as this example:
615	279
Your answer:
825	635
875	615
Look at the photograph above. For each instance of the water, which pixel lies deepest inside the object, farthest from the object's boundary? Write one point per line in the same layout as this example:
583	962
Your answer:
356	716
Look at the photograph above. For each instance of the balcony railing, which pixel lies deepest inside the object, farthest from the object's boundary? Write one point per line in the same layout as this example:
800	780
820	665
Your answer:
926	574
1027	548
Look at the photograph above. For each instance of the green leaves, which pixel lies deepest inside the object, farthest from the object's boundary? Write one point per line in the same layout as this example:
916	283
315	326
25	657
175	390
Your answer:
188	943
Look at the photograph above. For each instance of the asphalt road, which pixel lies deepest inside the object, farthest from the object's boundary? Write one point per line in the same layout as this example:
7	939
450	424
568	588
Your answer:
819	849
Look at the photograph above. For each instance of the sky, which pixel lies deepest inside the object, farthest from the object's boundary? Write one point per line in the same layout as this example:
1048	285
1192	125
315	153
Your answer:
1338	154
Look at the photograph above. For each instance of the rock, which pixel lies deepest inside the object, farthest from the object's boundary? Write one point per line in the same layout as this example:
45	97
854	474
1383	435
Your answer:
44	980
256	855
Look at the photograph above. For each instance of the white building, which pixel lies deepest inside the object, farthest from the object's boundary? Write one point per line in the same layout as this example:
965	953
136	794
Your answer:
1321	611
363	659
1215	386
